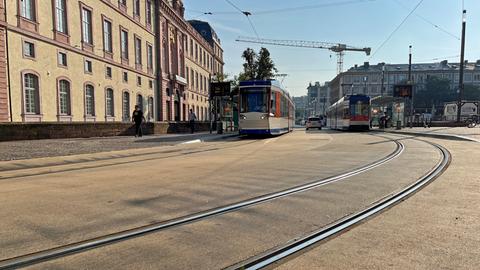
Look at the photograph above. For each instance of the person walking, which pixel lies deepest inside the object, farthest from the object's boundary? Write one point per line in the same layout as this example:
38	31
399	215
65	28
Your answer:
138	118
191	118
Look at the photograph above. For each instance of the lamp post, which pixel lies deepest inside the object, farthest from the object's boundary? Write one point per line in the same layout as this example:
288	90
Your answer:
462	65
383	80
410	82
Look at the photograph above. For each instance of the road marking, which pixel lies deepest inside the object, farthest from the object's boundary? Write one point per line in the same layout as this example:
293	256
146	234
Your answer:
271	140
192	141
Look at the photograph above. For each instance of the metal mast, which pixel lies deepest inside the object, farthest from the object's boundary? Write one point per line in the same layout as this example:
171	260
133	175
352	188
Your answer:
338	48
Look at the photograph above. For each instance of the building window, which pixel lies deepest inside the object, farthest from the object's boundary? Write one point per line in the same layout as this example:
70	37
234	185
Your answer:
87	36
64	97
30	86
108	72
150	84
28	9
138	51
89	100
124	44
139	81
149	58
107	36
136	8
109	108
88	66
148	11
191	48
28	49
125	76
192	81
61	16
126	106
196	51
140	101
62	59
150	108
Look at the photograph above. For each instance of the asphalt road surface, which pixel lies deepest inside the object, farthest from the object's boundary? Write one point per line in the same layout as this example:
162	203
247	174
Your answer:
56	201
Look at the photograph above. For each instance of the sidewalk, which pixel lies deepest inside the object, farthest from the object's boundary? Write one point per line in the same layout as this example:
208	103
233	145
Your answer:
15	150
454	133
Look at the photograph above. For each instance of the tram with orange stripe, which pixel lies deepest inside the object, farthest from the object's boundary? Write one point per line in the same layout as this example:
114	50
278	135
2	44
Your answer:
265	108
350	113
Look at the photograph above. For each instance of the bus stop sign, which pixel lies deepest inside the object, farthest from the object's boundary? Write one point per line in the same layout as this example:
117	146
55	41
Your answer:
403	90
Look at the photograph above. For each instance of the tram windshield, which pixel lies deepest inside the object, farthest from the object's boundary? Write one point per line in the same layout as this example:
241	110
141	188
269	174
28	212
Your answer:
359	108
253	100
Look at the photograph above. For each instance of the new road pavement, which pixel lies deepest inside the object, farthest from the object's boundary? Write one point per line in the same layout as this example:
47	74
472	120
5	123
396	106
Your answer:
305	200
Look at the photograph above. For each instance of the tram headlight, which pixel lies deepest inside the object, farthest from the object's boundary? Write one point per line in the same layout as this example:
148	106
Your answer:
264	116
243	117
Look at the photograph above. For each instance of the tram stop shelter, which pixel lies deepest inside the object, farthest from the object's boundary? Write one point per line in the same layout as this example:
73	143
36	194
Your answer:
392	107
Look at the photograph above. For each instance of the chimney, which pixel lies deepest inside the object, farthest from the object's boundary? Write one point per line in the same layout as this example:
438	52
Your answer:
356	66
366	65
444	62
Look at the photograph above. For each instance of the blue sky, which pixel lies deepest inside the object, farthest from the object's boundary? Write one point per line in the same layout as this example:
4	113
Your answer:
359	23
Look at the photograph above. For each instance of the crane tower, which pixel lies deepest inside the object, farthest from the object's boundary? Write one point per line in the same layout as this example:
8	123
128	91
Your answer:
338	48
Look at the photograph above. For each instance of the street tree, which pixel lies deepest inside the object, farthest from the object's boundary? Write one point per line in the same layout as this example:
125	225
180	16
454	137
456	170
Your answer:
471	92
265	66
436	92
250	66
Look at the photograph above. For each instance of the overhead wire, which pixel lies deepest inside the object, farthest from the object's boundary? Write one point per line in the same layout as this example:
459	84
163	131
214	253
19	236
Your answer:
247	14
290	9
429	22
396	29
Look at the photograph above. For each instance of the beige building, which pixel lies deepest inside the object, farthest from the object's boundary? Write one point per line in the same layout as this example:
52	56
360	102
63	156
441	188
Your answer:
94	60
70	60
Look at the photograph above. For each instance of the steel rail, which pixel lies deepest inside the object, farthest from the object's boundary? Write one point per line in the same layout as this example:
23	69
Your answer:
77	247
277	254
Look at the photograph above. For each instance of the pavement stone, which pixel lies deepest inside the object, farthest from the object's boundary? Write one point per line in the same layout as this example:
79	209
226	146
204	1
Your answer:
19	150
456	133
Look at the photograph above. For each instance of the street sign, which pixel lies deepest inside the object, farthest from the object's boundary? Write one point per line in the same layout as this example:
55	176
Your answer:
403	90
219	89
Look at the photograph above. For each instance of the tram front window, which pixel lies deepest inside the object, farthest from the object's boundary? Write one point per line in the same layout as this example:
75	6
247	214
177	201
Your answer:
359	108
253	100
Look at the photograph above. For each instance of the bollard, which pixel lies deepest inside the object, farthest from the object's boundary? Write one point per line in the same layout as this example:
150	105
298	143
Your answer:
219	127
399	124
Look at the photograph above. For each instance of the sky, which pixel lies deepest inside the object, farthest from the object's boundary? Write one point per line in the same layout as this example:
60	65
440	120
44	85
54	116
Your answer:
433	30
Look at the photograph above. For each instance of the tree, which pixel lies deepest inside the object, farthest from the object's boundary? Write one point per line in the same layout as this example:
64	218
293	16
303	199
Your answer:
436	92
250	66
471	92
257	66
265	65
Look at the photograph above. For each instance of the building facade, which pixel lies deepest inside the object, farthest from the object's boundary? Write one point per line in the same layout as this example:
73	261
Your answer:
379	80
318	99
86	60
94	60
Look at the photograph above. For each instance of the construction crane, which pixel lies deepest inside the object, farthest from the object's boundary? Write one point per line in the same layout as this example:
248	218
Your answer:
338	48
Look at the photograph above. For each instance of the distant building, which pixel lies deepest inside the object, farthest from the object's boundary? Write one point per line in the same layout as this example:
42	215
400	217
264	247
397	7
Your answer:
367	79
318	99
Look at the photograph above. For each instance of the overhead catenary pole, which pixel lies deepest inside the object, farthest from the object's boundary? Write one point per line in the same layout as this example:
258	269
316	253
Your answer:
410	82
462	65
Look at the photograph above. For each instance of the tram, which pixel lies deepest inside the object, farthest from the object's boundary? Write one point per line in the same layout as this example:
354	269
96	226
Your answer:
350	113
264	108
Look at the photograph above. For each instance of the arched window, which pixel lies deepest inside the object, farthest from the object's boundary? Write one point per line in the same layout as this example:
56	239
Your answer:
140	101
126	106
64	97
150	108
32	98
89	100
109	103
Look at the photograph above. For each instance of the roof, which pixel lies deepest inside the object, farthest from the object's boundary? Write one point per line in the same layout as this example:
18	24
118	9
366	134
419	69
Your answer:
440	66
206	30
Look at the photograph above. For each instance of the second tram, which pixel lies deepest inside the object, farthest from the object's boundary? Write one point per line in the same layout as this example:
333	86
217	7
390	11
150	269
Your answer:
350	113
264	108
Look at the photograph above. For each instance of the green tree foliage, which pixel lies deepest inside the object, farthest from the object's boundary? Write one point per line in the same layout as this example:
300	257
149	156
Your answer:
436	92
471	92
265	65
257	66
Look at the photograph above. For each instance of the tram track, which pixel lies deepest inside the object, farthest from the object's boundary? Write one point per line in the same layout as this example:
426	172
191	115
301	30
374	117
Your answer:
78	247
278	254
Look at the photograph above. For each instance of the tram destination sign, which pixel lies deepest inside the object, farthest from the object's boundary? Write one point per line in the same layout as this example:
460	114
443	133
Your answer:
403	90
220	89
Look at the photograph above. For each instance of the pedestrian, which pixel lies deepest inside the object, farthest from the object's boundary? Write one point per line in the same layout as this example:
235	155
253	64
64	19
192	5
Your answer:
382	120
191	118
138	118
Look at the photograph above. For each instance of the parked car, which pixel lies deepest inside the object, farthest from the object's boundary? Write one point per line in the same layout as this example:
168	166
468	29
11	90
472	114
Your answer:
314	122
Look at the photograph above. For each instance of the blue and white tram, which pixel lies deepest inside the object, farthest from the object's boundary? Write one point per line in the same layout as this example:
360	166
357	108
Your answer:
265	108
350	113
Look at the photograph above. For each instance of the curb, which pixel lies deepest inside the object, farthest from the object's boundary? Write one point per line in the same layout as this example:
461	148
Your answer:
443	136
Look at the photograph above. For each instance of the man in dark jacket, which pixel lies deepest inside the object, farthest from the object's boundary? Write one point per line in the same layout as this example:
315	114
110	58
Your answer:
138	118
